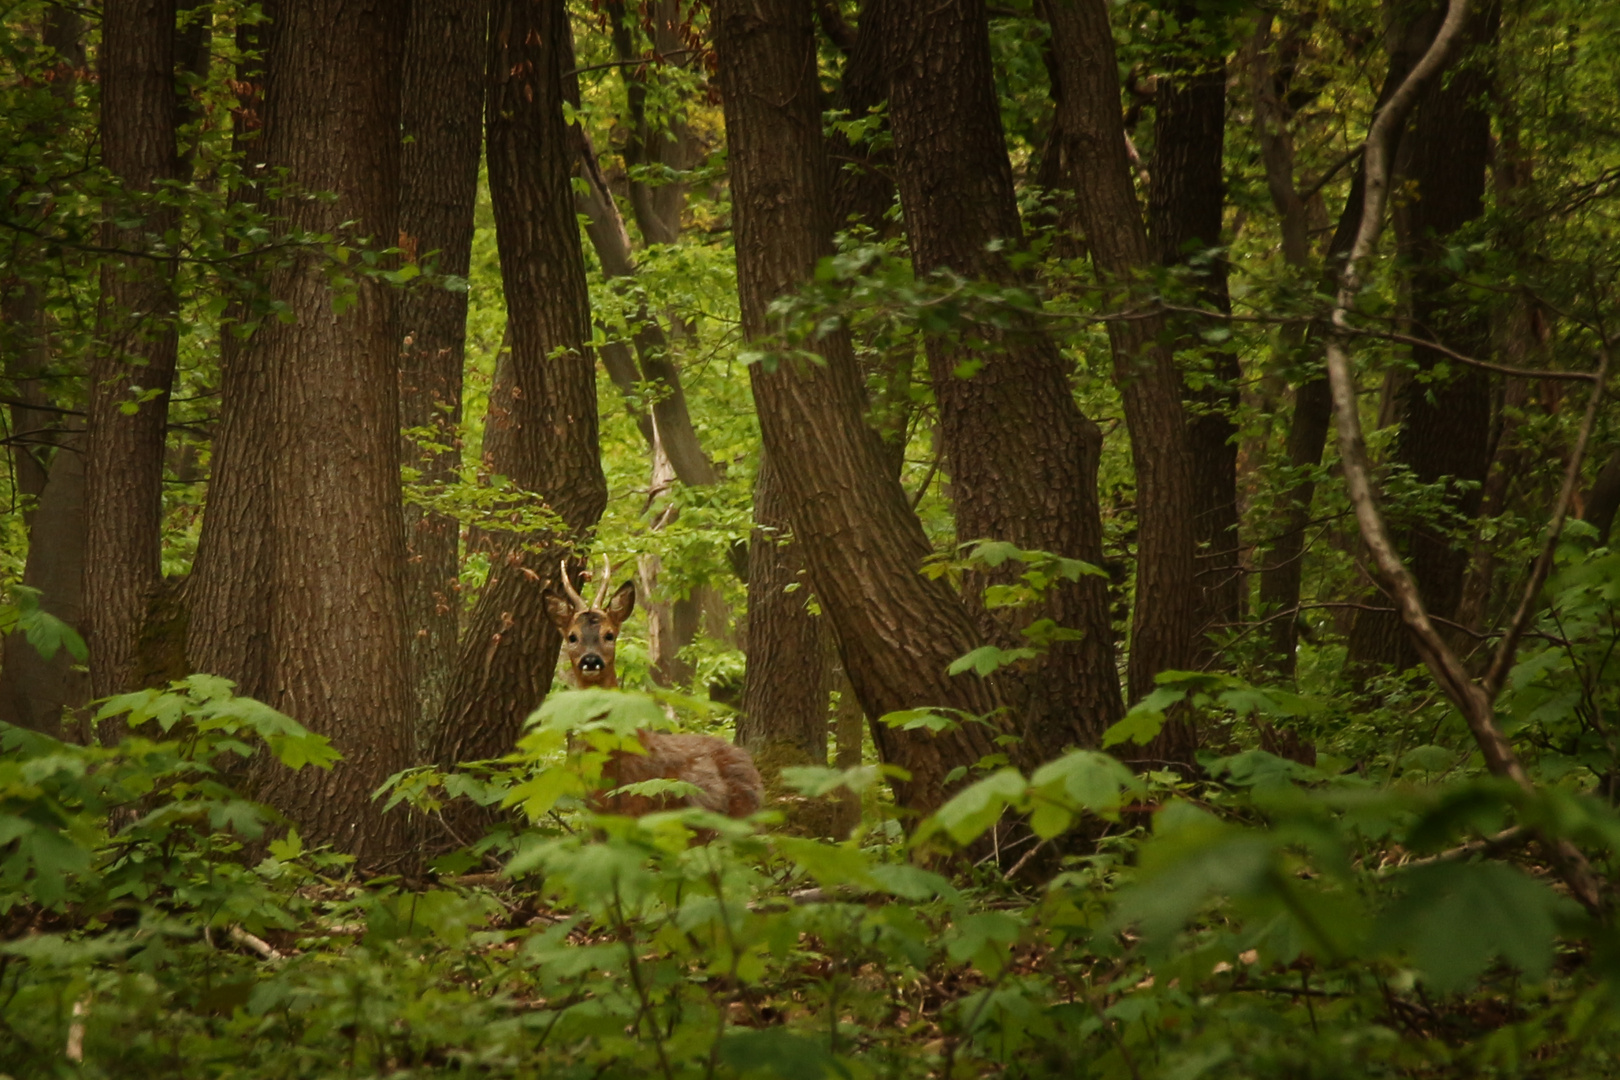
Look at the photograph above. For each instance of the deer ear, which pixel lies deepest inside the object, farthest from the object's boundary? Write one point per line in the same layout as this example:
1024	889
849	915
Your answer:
559	608
622	603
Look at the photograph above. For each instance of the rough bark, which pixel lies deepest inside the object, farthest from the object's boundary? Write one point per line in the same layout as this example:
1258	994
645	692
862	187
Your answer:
442	103
1093	160
542	426
1021	457
132	367
1445	434
229	589
897	631
784	713
338	658
1184	217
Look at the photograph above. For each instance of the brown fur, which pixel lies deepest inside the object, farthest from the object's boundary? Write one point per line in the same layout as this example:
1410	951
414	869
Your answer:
724	773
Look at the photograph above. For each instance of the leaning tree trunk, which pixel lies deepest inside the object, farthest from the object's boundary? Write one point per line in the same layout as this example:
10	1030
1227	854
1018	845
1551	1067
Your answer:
1445	434
1093	160
229	590
442	96
337	653
1184	216
897	631
542	426
1021	457
132	367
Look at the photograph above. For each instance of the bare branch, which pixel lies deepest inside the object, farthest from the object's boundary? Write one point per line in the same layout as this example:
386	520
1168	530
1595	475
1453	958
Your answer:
1469	697
1503	660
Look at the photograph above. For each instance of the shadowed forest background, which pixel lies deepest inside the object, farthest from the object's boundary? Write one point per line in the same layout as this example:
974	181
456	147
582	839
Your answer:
1138	477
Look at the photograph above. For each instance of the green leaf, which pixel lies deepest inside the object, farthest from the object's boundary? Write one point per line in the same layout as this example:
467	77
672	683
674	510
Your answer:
1140	725
619	711
988	658
985	940
778	1053
1454	917
977	807
913	719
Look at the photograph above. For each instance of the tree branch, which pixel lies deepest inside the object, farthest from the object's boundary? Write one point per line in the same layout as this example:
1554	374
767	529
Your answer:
1503	660
1471	698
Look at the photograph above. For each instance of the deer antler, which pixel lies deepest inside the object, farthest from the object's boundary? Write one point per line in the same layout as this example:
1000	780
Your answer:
607	581
568	587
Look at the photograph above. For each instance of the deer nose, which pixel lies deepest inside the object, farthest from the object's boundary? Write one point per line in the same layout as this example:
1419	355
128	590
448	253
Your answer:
590	662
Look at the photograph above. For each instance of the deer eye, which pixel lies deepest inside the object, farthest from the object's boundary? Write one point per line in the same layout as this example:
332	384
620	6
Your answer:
607	637
573	639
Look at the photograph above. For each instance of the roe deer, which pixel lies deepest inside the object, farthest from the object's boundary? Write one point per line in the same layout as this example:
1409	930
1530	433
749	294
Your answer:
725	774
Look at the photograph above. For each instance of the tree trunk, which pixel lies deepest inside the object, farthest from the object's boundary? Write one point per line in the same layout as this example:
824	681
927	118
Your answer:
897	631
657	208
542	426
1313	403
784	713
1604	498
611	241
1446	429
132	367
442	97
1021	457
1184	212
863	188
1164	625
338	657
34	692
229	589
193	52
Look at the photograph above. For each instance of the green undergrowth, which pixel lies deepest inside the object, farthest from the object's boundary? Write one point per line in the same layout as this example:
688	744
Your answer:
1388	914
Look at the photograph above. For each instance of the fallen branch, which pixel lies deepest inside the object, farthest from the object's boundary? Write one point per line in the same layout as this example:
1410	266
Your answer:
1501	841
255	943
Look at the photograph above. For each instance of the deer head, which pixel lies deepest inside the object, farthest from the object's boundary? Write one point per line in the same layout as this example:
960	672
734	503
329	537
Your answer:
591	631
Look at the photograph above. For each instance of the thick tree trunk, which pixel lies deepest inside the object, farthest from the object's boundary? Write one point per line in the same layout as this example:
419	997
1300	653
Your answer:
784	712
1184	214
1021	457
542	426
897	631
1165	623
338	658
1445	435
132	367
229	590
442	97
